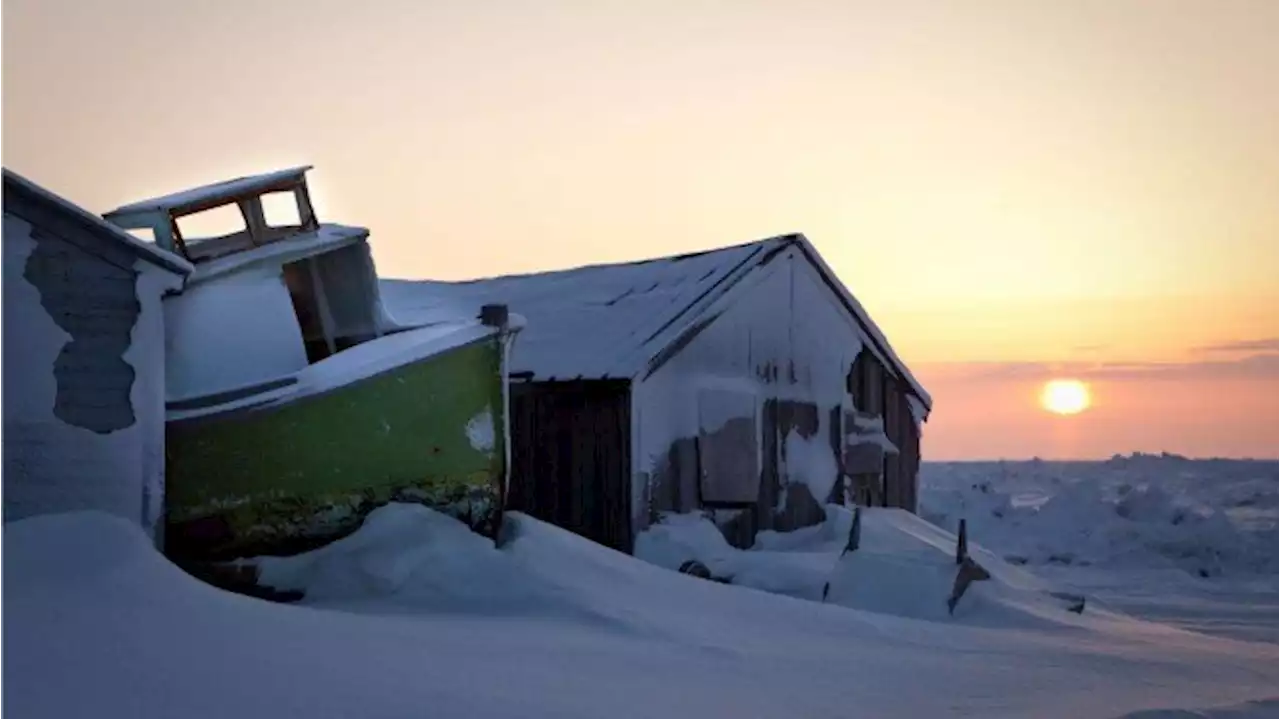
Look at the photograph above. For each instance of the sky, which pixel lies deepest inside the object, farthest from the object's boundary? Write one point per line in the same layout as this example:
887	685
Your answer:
1017	190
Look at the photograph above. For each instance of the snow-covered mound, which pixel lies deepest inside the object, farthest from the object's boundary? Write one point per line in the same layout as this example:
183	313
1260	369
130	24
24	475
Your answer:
97	623
904	567
1209	518
795	564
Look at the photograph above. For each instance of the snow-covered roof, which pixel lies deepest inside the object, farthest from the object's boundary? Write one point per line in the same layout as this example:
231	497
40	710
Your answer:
144	250
215	193
610	321
328	236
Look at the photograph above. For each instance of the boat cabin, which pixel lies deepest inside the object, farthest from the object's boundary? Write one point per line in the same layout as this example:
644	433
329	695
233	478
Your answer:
268	298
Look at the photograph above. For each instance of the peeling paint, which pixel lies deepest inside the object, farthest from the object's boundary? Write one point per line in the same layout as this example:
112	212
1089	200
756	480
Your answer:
94	380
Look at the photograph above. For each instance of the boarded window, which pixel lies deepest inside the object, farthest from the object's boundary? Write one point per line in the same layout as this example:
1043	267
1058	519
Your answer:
728	447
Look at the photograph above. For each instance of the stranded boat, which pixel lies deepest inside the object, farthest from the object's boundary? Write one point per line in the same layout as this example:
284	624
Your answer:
294	403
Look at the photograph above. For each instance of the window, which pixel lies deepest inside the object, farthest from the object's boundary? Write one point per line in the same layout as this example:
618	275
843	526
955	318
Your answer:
728	447
216	222
280	209
146	234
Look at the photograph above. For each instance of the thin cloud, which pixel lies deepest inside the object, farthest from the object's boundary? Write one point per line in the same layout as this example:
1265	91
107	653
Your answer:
1256	366
1259	345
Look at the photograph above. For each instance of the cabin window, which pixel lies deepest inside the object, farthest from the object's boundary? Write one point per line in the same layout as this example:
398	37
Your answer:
146	234
213	223
728	447
280	209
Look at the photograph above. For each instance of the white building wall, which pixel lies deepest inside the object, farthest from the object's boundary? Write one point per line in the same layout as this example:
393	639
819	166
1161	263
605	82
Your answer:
51	466
782	334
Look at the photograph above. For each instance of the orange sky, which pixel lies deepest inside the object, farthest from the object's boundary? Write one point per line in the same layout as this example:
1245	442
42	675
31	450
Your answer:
1014	188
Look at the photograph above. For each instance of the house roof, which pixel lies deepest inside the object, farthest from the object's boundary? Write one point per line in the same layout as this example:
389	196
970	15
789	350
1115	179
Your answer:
611	321
13	182
217	193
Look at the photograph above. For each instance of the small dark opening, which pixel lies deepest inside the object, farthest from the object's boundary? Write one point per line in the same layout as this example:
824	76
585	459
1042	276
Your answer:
306	305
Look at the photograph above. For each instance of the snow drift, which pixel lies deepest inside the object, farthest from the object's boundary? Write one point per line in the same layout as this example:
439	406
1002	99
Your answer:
904	567
411	617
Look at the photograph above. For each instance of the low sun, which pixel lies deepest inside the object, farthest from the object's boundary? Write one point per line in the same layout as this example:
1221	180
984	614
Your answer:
1065	396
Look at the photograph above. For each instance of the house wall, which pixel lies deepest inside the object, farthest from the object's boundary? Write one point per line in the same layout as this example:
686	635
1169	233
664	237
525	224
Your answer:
763	377
83	370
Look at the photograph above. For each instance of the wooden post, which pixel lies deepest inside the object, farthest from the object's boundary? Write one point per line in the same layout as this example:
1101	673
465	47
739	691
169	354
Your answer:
494	315
962	543
855	531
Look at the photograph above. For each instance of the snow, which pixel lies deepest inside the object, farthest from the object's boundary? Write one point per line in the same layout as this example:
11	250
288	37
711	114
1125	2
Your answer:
329	236
596	322
606	321
919	411
413	614
810	461
236	331
215	343
870	430
215	191
388	352
1192	543
480	431
1197	516
148	252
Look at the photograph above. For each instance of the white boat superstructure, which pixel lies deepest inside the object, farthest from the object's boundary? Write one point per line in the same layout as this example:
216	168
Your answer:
270	302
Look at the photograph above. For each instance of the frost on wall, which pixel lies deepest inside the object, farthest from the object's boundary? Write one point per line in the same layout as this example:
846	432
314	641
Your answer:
480	431
727	446
812	463
94	381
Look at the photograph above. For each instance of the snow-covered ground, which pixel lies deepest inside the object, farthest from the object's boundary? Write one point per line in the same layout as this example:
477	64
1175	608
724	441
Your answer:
1187	542
415	616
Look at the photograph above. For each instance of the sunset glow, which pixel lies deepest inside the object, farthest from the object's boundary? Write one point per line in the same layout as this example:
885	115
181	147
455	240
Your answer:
1016	190
1065	396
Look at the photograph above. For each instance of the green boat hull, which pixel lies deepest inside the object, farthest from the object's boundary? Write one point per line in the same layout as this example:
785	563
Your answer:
288	477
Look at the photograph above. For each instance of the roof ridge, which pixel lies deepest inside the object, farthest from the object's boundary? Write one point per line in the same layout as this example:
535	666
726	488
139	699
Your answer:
148	252
606	265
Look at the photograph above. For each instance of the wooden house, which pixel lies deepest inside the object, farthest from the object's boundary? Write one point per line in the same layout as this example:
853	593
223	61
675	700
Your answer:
84	361
745	382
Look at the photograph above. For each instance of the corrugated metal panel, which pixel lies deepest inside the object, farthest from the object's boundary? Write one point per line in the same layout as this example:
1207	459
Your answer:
570	457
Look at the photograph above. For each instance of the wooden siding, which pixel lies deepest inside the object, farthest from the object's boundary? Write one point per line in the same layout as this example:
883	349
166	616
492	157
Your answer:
570	457
902	469
908	442
778	419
